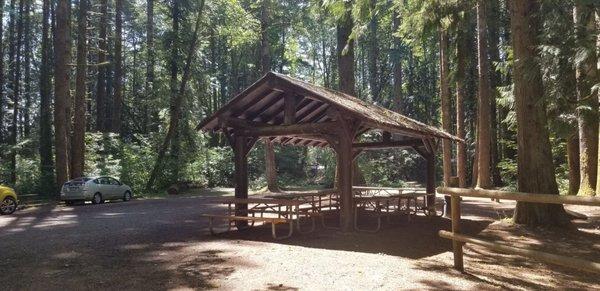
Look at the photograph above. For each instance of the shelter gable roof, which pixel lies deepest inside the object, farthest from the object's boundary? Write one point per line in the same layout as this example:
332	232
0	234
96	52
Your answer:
263	102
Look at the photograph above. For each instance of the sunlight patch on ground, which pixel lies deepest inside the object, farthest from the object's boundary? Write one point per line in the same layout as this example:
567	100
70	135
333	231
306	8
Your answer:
68	255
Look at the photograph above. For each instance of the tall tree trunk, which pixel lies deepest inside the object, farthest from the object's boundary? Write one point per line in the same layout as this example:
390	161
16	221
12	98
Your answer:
101	90
62	44
118	78
573	162
494	50
535	167
27	70
587	111
345	53
46	157
176	15
79	121
373	51
265	67
598	45
2	76
598	91
345	66
446	106
598	174
461	66
175	107
397	66
15	39
150	64
484	106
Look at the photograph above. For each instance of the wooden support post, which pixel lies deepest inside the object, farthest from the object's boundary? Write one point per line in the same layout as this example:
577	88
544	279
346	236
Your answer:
344	170
346	131
240	151
457	246
430	157
454	182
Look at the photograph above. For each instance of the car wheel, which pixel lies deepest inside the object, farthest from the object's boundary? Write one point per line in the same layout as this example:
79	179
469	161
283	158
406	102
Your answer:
127	196
8	206
97	199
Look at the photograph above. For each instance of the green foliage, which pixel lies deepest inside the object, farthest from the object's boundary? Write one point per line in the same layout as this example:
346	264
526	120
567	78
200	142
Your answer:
391	168
302	43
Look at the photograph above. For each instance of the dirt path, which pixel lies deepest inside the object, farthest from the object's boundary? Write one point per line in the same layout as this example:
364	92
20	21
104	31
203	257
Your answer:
163	244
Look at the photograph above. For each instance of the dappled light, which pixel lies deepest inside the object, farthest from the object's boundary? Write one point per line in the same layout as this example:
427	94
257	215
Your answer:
299	145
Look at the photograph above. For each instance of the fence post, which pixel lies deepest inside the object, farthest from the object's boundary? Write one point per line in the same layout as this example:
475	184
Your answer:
454	182
457	246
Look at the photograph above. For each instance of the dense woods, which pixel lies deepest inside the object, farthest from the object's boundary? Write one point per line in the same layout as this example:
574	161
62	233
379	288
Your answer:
112	87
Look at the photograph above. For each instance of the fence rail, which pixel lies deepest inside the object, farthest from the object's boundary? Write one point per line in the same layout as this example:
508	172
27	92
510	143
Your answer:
458	240
520	196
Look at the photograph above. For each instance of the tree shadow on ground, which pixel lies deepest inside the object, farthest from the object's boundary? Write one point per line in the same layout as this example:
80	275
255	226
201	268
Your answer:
153	244
490	268
413	239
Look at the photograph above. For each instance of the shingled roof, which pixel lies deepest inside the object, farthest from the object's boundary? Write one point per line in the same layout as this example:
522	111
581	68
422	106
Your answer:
264	102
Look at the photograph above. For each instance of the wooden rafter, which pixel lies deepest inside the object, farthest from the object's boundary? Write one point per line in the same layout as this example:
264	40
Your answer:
387	144
293	129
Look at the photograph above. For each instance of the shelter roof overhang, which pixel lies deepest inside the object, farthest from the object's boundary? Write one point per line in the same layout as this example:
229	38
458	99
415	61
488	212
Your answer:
294	112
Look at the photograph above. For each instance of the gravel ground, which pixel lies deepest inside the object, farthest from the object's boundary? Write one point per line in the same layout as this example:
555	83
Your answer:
163	244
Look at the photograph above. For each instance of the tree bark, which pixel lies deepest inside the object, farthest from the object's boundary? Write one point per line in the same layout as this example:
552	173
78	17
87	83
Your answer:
27	32
15	30
373	52
265	67
118	77
270	166
446	106
598	45
175	108
2	76
150	64
101	90
46	157
79	121
535	167
62	44
573	162
587	110
345	66
495	77
345	52
397	67
484	106
461	66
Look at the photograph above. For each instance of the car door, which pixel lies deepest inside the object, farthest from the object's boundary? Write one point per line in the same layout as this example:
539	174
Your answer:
115	188
104	187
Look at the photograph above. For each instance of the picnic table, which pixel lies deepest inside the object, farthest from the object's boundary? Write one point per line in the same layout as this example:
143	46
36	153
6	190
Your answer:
317	200
286	212
315	203
384	202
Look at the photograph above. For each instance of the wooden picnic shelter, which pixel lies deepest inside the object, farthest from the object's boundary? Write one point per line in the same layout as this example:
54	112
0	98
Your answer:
289	111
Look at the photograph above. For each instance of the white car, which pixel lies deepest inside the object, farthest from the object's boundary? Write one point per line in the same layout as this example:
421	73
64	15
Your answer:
97	190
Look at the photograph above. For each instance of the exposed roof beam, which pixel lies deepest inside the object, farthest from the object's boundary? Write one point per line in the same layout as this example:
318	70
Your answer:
270	102
287	130
387	144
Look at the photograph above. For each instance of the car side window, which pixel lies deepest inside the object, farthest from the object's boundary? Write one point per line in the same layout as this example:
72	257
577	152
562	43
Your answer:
113	181
96	181
103	181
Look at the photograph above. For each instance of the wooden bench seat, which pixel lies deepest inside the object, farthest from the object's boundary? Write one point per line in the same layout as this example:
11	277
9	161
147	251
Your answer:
248	218
272	220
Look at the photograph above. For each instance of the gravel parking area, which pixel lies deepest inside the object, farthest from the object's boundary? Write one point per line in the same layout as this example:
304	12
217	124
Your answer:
160	244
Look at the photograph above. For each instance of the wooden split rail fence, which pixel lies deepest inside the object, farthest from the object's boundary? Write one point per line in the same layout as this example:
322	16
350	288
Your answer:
458	239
